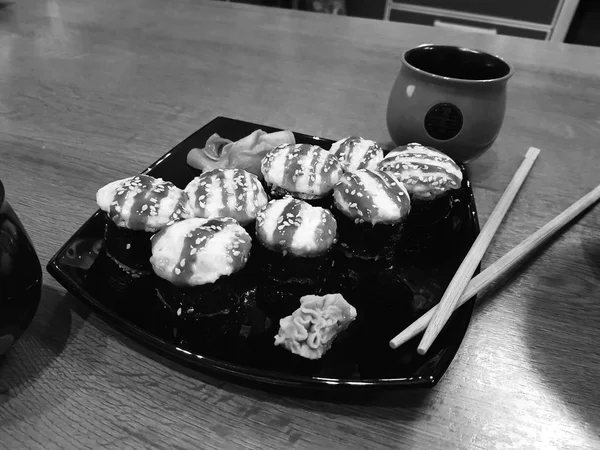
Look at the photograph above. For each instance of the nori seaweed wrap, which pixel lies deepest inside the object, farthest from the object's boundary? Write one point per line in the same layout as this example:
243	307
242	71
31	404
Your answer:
433	179
135	208
200	264
296	240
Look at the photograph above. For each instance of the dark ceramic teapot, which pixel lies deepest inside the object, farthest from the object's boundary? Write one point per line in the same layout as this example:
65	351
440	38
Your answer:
20	277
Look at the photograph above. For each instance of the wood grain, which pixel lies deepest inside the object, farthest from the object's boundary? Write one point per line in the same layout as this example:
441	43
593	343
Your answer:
95	90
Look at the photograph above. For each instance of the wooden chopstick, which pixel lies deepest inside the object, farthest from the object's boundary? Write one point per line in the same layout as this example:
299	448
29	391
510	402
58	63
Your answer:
467	268
505	264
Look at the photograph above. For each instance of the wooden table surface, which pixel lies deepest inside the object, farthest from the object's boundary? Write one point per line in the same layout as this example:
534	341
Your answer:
92	91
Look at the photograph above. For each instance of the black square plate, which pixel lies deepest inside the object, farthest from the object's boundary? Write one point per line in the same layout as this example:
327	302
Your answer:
353	364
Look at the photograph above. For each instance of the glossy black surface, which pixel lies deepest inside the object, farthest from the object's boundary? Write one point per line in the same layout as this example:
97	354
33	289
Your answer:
456	62
388	297
20	277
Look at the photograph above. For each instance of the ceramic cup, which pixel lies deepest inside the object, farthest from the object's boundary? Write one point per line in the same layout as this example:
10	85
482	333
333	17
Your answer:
449	98
20	277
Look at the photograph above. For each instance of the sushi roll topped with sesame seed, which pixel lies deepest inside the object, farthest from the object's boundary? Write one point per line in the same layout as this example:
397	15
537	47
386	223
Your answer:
304	171
201	279
143	203
356	153
135	208
197	251
372	197
295	254
426	172
292	226
371	208
226	193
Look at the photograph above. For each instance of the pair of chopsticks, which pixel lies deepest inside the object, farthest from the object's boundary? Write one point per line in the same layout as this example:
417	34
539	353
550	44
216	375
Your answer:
462	287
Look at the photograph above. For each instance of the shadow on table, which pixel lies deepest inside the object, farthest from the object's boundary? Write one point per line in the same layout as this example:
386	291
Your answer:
564	333
591	252
398	404
39	346
6	12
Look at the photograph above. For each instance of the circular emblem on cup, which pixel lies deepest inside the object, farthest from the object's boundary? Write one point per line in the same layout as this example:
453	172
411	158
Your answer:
443	121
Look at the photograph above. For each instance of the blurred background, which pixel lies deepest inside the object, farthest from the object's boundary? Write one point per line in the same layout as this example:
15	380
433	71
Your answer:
571	21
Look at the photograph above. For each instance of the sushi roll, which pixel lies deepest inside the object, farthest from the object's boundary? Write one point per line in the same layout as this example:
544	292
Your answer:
227	193
434	181
356	153
306	172
296	239
135	208
370	208
430	177
199	263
